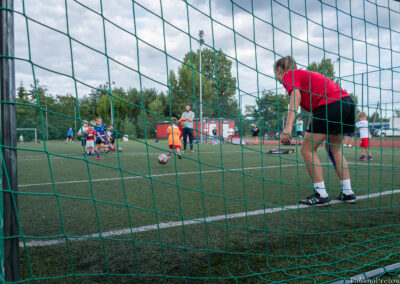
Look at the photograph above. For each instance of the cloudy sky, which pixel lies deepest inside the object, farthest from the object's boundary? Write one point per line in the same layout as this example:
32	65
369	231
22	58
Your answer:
136	43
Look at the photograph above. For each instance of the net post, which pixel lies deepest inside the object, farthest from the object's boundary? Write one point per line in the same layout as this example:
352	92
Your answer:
10	229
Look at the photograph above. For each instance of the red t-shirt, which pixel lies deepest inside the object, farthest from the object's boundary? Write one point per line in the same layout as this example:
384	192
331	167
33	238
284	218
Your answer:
90	134
323	90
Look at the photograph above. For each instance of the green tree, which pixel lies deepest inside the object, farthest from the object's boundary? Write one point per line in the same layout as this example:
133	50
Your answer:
128	127
325	67
269	110
156	107
218	84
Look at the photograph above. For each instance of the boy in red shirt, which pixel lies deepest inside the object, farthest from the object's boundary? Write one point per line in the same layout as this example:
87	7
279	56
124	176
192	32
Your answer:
90	136
333	113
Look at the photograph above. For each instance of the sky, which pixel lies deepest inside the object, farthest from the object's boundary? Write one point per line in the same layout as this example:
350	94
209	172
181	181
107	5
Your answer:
134	44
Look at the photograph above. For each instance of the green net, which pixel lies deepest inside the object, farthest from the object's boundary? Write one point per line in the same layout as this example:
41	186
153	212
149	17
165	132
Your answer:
229	209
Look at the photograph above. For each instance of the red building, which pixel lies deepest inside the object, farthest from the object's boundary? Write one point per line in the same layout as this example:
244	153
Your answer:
221	125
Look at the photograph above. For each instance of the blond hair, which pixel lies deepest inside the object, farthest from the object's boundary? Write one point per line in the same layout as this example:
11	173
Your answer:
286	63
362	115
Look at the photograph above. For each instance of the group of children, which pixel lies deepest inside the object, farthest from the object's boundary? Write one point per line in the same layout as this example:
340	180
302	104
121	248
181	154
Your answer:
96	137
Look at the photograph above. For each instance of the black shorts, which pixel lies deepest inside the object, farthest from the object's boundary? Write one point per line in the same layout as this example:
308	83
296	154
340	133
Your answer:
299	133
334	118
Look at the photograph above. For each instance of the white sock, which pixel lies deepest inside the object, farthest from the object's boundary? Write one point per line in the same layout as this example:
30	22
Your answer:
346	186
320	188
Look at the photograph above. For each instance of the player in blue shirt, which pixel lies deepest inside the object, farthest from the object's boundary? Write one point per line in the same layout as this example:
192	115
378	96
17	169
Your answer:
70	133
101	137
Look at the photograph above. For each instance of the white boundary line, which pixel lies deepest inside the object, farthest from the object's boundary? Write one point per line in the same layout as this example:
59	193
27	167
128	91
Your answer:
158	175
56	156
238	170
188	222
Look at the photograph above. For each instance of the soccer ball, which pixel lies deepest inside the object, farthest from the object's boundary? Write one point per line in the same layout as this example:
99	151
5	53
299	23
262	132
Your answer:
120	149
163	159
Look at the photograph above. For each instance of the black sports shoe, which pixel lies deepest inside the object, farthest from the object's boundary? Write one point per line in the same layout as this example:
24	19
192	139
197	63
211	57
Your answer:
348	198
315	199
180	156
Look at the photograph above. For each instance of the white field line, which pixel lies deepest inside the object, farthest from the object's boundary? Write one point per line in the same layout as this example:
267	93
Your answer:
238	170
188	222
158	175
67	155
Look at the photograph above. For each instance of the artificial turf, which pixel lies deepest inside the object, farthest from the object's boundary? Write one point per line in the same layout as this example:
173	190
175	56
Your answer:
144	212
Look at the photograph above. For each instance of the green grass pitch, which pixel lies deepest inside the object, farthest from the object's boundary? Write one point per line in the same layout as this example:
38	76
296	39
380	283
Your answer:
224	212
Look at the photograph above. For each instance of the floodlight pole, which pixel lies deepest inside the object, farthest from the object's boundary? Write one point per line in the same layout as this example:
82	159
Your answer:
201	36
47	126
111	102
76	135
362	92
9	229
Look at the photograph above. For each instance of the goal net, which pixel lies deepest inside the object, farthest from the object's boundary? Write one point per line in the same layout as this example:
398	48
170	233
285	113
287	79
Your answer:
225	210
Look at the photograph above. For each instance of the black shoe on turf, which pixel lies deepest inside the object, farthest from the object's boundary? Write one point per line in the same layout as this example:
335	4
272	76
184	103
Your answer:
348	198
180	157
315	199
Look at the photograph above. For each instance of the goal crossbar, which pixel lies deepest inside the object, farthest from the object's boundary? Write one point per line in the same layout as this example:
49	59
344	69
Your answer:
29	129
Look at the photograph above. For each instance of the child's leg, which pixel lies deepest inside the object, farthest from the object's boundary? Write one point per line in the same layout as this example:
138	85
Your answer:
178	151
104	146
98	150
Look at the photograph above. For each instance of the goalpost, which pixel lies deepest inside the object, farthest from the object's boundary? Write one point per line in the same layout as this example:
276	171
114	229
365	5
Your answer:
29	129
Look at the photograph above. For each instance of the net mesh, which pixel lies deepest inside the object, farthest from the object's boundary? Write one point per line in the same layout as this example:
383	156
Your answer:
229	210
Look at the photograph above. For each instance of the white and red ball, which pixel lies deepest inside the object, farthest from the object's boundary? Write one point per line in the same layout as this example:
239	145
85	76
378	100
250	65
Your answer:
162	159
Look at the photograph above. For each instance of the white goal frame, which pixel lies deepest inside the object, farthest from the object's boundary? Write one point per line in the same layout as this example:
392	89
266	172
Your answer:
29	129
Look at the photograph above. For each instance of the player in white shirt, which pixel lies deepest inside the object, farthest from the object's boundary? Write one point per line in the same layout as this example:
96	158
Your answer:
364	135
230	133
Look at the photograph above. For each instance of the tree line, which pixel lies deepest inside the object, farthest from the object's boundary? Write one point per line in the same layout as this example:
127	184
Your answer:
137	112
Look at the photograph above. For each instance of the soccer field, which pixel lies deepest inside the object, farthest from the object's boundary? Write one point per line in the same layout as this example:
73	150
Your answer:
224	211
